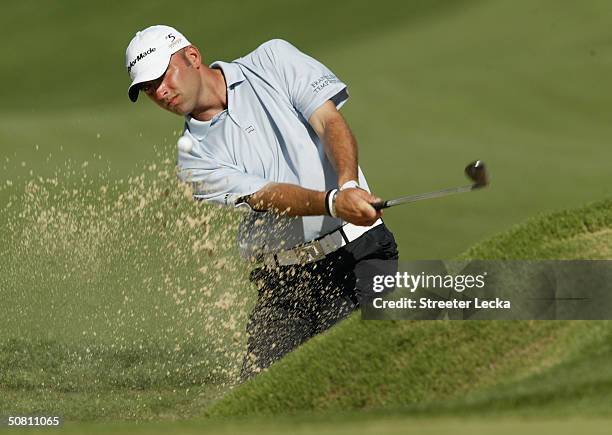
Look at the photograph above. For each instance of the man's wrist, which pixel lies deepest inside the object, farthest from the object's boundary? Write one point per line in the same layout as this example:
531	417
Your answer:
351	184
330	202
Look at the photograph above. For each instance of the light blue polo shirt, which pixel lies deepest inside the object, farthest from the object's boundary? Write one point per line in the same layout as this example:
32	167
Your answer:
264	136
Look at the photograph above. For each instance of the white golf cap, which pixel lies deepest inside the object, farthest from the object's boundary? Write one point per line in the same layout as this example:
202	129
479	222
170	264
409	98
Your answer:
148	54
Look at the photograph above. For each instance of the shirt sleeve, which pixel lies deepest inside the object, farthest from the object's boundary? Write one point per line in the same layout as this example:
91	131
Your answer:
216	181
307	82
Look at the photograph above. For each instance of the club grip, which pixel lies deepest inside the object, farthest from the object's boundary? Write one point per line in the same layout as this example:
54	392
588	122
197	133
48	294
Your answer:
380	205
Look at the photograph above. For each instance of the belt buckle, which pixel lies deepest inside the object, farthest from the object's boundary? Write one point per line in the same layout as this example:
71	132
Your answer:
310	252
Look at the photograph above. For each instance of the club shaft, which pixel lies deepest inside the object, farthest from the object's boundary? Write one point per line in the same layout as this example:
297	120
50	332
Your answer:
423	196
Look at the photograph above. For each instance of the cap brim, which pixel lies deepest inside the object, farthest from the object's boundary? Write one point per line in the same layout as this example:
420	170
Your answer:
133	92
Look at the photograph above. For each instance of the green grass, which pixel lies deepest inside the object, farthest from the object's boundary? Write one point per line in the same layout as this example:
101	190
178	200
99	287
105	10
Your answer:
569	234
377	365
88	381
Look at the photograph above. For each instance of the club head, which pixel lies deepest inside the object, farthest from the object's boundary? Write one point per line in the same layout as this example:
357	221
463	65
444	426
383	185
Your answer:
477	172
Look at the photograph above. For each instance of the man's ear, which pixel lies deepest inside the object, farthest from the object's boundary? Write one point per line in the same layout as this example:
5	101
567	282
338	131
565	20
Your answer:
193	56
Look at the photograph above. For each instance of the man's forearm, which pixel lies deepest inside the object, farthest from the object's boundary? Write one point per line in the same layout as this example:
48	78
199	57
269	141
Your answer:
353	205
341	149
338	140
288	199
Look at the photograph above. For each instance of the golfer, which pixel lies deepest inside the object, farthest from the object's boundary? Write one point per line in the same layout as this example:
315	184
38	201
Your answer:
264	133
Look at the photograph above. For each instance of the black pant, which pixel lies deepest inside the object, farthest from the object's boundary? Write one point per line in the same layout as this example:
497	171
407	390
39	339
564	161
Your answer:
297	302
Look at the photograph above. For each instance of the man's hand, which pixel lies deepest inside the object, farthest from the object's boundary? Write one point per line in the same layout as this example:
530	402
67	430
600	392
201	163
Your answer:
355	206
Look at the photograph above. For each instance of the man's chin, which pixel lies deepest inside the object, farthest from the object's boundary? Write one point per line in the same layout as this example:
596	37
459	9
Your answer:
177	110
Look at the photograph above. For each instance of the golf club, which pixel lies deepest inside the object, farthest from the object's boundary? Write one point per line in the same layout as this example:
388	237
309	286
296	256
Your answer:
475	171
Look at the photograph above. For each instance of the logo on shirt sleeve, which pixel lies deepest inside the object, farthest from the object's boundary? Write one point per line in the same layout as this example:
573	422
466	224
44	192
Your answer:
322	82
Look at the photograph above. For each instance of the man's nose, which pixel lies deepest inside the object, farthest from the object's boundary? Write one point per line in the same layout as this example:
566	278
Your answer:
161	91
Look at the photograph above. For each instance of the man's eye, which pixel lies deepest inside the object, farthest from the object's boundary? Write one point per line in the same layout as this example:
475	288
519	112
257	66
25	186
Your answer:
151	87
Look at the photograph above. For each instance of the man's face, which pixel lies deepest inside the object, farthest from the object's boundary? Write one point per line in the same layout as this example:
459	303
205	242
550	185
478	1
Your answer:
178	88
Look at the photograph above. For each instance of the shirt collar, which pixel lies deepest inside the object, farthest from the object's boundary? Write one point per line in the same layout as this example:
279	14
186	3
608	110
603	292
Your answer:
232	72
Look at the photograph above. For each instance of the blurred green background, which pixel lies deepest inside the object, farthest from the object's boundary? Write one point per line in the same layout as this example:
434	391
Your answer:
522	85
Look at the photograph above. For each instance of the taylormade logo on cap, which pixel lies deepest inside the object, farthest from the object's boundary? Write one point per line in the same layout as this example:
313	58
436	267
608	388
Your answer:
148	54
139	57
